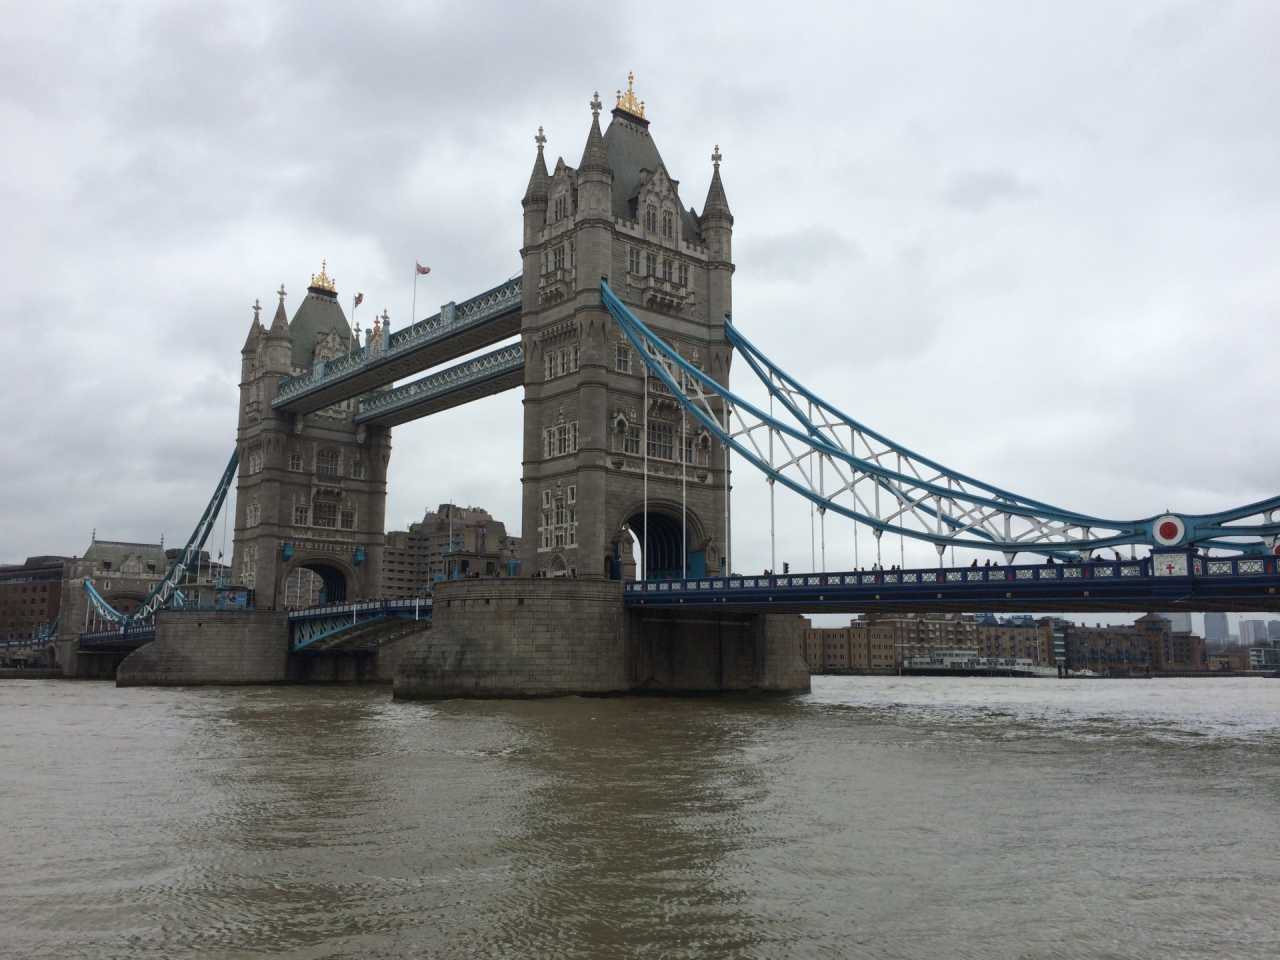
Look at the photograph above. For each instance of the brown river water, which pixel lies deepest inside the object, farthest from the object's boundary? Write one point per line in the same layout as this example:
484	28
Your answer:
886	818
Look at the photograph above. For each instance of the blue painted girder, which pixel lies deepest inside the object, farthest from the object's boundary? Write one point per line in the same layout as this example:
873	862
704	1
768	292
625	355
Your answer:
1050	530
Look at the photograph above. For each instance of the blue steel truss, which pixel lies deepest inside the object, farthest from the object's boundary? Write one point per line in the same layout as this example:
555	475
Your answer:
167	588
844	467
499	367
450	321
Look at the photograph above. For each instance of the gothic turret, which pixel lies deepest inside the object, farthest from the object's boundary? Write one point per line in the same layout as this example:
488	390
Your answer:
279	344
717	234
256	333
535	195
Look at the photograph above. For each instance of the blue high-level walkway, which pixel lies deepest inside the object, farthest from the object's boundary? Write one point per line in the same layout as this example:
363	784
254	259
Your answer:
458	329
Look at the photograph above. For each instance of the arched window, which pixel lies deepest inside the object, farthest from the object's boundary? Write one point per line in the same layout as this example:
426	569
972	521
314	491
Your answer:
668	224
327	462
651	220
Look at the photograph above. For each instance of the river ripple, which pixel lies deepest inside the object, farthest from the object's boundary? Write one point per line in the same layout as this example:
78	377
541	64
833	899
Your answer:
912	818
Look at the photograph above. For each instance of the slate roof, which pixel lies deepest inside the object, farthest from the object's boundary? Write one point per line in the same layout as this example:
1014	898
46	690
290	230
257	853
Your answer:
318	313
630	149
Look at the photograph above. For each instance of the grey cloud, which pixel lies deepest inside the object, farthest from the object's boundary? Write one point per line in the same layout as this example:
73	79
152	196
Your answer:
166	164
976	190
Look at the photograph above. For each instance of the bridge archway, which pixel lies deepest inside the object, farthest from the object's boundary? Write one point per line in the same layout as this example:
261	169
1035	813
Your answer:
664	560
335	578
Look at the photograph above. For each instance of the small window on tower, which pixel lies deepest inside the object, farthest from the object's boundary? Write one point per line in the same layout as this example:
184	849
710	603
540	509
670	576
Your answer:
622	363
299	516
651	220
684	274
326	514
667	272
633	260
559	258
348	519
650	264
668	225
357	470
295	462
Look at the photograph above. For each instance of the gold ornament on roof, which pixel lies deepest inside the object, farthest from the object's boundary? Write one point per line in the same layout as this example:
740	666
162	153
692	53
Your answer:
321	280
628	101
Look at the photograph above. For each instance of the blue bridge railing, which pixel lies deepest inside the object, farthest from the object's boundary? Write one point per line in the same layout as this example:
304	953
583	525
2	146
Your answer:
1172	578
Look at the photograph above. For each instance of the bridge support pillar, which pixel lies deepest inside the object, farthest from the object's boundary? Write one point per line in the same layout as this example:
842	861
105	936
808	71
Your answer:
531	637
198	647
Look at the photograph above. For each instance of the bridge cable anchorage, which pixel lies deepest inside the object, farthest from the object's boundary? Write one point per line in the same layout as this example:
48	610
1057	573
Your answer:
870	479
167	588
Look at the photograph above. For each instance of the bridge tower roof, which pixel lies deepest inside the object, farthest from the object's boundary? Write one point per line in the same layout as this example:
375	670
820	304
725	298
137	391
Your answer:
317	315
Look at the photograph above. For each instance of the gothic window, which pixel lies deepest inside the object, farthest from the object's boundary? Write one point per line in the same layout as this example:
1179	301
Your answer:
299	516
348	519
564	362
650	264
688	450
249	565
549	366
668	225
573	358
327	462
684	274
633	260
666	270
255	461
660	437
295	462
560	208
622	362
632	442
253	515
573	493
559	257
325	514
651	220
357	470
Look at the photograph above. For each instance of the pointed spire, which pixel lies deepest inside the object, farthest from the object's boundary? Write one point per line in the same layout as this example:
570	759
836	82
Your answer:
593	157
280	323
539	182
717	205
255	329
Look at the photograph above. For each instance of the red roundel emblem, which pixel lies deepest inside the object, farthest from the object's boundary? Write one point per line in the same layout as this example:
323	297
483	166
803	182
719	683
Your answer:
1169	530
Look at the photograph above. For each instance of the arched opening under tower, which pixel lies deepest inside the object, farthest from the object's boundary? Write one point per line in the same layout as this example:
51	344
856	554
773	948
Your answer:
662	560
315	582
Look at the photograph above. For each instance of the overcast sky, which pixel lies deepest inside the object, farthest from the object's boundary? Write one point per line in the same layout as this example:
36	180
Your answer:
1037	242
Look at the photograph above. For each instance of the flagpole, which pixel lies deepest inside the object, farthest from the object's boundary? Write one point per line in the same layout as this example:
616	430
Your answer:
413	311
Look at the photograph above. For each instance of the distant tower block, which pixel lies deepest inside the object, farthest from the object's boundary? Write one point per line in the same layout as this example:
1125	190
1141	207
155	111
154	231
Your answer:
312	488
618	216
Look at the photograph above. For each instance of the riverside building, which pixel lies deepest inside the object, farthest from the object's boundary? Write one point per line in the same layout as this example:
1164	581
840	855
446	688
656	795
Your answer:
448	543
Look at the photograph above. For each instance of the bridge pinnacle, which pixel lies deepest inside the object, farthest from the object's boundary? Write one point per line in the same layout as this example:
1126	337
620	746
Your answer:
541	140
281	293
715	157
595	105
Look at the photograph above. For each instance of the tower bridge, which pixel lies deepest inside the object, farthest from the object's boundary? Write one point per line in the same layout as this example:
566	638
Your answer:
618	328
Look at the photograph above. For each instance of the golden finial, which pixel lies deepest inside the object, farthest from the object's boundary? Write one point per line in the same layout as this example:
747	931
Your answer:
321	280
628	102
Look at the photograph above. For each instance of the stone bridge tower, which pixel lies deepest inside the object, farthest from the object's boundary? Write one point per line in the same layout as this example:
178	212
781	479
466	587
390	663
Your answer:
618	217
312	488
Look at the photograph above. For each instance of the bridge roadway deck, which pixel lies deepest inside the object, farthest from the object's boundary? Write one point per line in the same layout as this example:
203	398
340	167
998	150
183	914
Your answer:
361	625
457	330
1211	583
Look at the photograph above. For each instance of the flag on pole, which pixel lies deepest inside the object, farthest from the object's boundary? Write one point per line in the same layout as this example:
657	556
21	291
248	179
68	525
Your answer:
422	271
358	300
